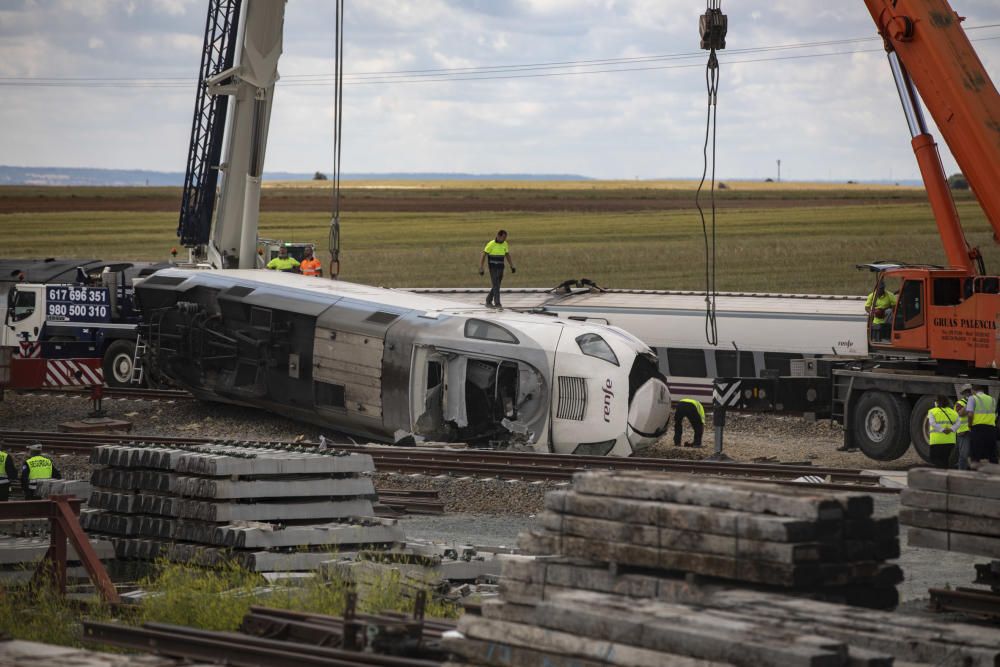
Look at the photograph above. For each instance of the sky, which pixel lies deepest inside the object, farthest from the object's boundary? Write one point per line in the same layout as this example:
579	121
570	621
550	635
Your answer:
110	84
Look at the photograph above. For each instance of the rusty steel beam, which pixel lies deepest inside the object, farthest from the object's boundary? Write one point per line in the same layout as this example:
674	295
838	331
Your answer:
966	600
15	510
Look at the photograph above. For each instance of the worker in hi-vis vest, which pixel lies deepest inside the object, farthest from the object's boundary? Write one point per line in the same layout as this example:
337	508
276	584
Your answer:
283	262
964	433
943	423
496	251
694	412
8	473
36	468
310	266
880	304
982	411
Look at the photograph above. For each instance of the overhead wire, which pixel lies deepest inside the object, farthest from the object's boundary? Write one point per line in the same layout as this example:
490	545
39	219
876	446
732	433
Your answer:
338	121
481	73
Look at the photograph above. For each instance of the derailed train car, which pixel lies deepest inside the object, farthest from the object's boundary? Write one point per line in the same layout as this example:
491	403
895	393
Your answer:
393	365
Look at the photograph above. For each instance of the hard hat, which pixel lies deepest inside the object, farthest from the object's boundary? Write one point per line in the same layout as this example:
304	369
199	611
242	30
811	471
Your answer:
964	389
37	447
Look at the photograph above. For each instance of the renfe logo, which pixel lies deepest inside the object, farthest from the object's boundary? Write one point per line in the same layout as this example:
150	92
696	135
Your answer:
609	393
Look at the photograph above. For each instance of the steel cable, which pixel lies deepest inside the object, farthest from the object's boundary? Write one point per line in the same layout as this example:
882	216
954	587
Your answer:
338	120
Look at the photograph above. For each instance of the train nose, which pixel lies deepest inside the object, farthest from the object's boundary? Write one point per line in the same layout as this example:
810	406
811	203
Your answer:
648	413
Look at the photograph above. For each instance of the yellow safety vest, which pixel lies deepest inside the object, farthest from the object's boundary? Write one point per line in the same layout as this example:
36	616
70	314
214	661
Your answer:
283	263
960	407
985	410
39	467
496	252
698	405
887	300
3	465
943	416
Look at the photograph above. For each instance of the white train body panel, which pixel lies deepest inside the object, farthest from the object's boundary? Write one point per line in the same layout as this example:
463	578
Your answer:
393	365
769	330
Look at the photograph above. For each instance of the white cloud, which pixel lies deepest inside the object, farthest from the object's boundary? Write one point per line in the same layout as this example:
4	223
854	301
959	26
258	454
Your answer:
826	117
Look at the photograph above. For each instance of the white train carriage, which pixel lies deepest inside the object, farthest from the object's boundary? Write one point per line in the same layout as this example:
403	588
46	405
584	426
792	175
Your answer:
757	332
394	366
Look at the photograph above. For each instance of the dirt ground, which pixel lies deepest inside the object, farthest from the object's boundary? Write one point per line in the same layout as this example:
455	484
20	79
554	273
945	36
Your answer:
433	201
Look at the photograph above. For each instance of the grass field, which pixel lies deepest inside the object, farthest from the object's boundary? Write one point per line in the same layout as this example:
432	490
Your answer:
804	239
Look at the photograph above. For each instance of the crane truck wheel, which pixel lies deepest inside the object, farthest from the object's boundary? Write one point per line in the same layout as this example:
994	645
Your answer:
119	359
881	425
918	427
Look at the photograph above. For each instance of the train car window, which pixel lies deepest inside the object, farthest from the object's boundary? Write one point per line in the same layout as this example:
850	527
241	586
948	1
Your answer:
488	331
593	345
330	395
780	361
910	306
726	366
685	362
434	374
24	306
947	291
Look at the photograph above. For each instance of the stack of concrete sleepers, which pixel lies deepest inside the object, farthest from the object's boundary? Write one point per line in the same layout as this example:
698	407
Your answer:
269	507
599	597
826	545
953	510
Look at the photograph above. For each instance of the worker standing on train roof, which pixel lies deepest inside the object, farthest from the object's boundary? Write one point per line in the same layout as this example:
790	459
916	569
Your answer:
283	262
36	468
694	412
982	411
310	266
8	473
964	432
943	424
496	251
880	304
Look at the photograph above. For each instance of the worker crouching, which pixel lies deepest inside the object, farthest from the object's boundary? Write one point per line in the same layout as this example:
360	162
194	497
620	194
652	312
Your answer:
36	468
694	412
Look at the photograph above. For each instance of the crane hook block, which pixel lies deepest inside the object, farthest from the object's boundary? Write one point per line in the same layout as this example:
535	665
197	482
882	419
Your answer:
713	25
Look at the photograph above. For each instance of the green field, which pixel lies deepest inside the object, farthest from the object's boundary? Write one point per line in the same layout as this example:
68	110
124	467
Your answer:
769	239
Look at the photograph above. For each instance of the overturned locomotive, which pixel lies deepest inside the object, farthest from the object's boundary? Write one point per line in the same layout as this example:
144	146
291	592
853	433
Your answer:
393	365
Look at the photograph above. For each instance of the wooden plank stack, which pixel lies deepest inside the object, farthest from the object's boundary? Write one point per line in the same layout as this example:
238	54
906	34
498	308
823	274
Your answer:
267	507
825	544
661	569
953	510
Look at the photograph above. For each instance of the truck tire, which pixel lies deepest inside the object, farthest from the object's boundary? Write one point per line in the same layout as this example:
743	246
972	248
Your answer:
119	359
918	427
881	425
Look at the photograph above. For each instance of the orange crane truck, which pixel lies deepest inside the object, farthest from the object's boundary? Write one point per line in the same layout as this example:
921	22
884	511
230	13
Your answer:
943	331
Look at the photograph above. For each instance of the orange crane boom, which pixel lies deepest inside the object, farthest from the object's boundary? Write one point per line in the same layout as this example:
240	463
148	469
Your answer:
928	47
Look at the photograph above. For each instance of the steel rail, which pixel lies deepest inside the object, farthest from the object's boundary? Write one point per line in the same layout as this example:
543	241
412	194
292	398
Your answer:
233	648
113	393
528	466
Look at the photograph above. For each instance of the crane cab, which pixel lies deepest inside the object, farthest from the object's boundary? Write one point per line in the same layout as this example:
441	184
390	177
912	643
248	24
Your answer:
938	313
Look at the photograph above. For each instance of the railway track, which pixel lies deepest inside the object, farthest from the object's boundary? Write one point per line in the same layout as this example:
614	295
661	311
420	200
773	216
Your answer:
116	394
506	465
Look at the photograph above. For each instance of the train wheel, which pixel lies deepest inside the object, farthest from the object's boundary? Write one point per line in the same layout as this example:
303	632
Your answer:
881	425
918	427
119	360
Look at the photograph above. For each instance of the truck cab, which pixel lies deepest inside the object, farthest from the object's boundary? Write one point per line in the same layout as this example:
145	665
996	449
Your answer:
940	313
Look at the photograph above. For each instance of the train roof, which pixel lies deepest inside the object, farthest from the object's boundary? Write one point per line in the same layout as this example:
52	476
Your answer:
52	270
659	300
317	289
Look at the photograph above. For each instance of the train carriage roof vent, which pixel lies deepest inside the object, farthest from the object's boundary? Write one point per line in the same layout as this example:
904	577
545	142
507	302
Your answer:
572	398
381	317
165	280
239	291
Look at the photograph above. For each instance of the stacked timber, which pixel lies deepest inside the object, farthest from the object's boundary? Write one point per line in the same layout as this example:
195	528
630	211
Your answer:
638	569
268	507
826	545
953	510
